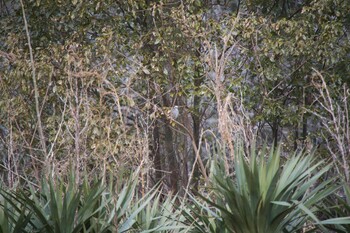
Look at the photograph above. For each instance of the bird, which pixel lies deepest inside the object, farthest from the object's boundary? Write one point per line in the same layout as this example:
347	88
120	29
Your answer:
174	112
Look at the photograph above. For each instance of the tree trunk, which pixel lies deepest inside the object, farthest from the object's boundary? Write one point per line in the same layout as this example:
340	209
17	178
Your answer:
156	155
172	163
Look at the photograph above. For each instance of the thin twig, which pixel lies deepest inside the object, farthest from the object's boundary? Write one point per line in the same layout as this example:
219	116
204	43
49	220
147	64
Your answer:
36	92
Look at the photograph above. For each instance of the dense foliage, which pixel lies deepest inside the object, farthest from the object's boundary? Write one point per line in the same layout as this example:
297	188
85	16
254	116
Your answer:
92	86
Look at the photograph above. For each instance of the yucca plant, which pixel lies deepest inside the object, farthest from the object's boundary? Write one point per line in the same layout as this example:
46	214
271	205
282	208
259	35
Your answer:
266	196
61	208
127	207
202	218
158	215
337	208
14	216
71	208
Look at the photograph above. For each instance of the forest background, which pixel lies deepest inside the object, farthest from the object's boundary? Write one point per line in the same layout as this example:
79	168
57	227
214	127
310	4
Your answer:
92	86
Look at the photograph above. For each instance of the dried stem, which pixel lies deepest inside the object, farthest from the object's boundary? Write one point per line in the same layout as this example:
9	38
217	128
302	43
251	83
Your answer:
336	122
36	92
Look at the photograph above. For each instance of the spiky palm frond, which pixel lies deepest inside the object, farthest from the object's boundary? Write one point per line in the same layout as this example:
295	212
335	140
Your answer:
265	195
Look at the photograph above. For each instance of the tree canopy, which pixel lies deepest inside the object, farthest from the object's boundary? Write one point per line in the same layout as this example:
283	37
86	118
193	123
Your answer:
109	73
